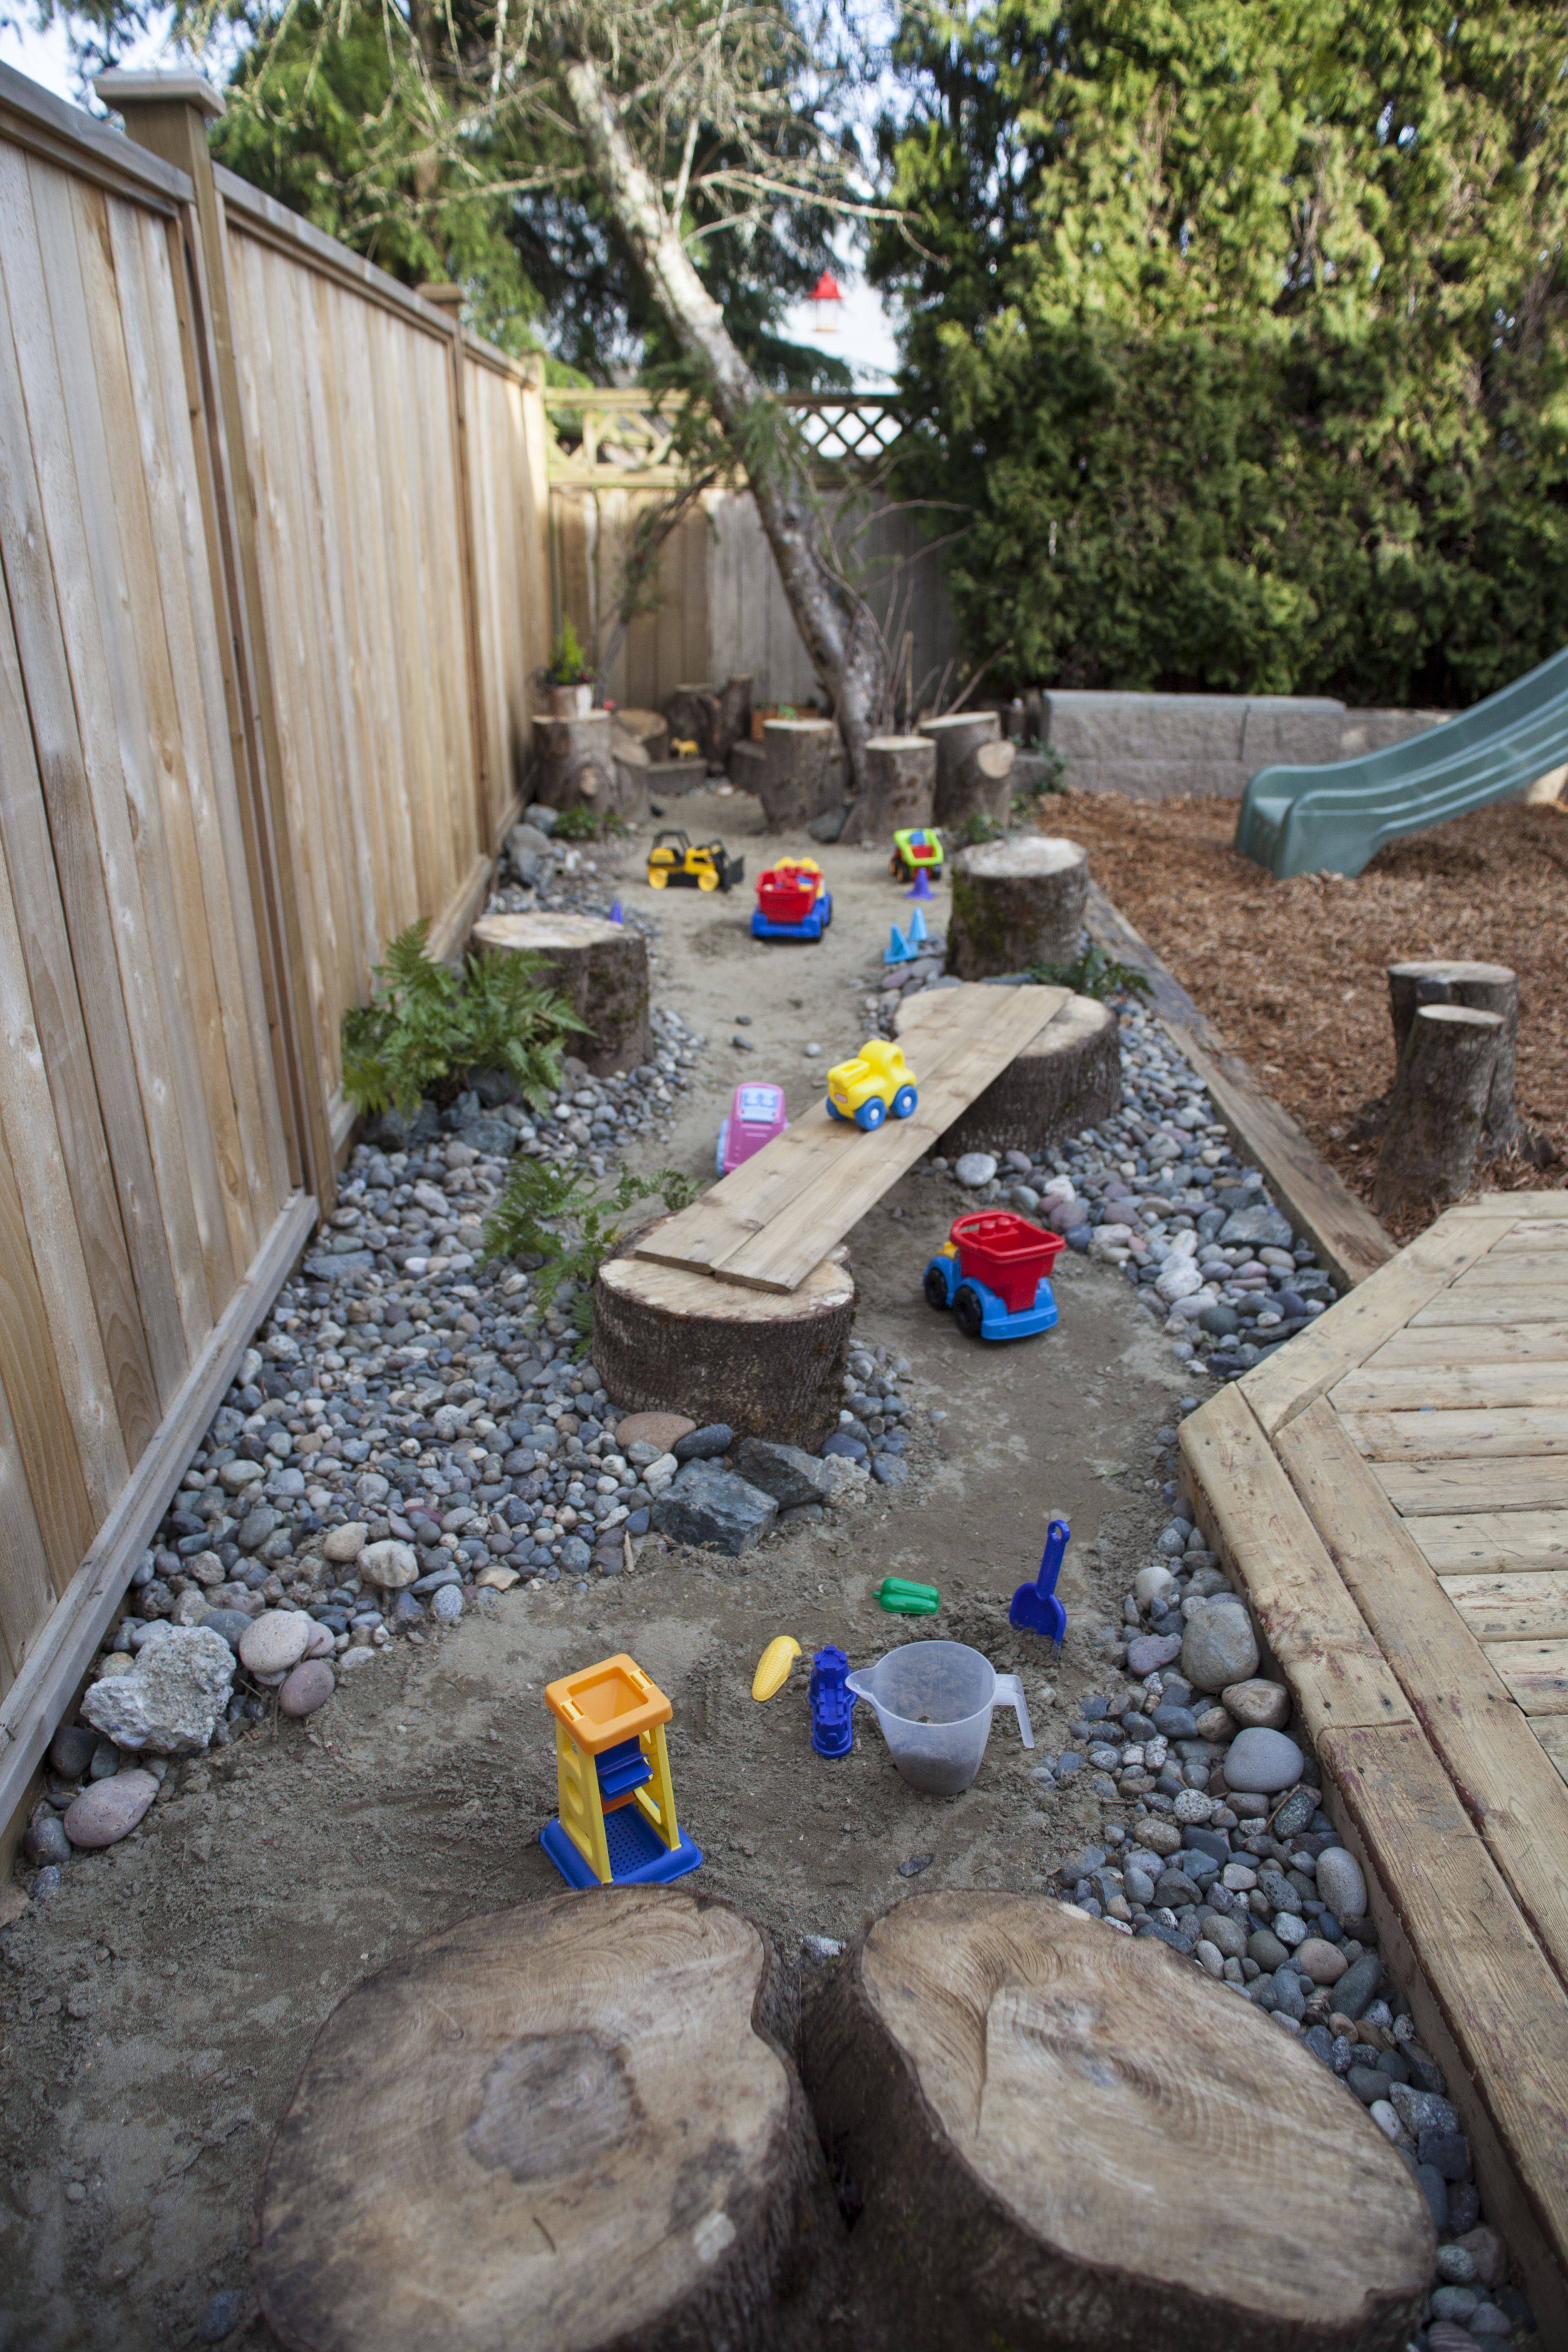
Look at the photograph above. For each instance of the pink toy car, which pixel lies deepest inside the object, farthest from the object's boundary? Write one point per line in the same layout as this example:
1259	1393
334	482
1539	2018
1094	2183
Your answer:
756	1116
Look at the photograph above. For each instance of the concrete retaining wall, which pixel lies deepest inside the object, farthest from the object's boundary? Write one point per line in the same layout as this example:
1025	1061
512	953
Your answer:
1154	747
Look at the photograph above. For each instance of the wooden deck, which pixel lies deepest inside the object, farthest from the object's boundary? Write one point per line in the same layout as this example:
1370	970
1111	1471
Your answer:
1391	1494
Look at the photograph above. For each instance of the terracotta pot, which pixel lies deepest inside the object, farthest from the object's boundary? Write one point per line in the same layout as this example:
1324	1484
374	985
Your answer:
570	701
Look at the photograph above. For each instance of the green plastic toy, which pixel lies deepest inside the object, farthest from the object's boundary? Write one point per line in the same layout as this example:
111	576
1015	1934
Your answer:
902	1599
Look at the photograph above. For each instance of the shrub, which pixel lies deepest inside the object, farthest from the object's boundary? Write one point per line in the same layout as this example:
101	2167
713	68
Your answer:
1092	973
428	1026
558	1217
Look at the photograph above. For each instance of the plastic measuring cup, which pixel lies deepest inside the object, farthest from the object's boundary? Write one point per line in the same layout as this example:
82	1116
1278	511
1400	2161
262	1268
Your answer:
933	1701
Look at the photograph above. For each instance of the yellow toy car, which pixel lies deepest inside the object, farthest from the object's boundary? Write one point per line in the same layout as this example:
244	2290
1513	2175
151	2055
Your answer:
878	1080
674	863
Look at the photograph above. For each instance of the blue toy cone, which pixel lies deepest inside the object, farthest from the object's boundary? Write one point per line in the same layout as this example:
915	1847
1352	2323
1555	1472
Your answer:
617	912
917	926
922	888
897	949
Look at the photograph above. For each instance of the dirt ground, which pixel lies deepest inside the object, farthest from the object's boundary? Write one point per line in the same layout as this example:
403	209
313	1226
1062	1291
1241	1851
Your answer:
157	2011
1293	972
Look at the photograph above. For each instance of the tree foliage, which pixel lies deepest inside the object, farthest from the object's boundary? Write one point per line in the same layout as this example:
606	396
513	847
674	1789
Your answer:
1241	330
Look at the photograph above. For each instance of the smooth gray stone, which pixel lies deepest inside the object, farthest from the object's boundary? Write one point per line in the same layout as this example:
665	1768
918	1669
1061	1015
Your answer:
1263	1762
1356	1988
71	1750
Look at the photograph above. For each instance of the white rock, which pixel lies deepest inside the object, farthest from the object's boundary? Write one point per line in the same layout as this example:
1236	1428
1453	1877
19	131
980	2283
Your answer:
1341	1883
975	1168
320	1645
1183	1244
1178	1278
169	1699
390	1565
346	1543
1105	1239
276	1641
1385	2120
1151	1584
353	1656
1192	1808
237	1476
657	1474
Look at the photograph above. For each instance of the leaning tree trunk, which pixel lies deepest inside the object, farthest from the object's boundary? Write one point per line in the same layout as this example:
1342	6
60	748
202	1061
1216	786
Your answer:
847	658
1063	2139
1485	987
1438	1110
599	967
571	2123
1015	904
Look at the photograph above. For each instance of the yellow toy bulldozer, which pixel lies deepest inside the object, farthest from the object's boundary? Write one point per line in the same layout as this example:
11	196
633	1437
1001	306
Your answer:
676	864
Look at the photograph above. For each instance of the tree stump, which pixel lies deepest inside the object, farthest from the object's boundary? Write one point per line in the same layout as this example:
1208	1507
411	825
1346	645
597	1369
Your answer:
574	761
649	727
956	737
689	713
601	968
770	1363
731	720
1068	2141
1485	987
986	778
900	788
1016	903
570	2124
1070	1078
632	769
1438	1106
803	770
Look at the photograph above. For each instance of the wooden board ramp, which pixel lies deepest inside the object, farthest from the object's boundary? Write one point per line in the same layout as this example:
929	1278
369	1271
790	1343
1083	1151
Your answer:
1394	1487
778	1216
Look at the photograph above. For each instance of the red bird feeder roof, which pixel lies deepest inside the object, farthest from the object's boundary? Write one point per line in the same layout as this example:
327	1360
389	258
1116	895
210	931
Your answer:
827	288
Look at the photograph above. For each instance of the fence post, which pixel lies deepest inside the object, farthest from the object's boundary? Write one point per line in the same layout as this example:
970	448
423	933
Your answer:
168	114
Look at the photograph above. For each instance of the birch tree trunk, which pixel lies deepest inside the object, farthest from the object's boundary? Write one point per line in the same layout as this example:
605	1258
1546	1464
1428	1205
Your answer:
846	660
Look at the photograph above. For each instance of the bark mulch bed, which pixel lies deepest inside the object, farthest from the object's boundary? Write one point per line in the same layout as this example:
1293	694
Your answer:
1293	972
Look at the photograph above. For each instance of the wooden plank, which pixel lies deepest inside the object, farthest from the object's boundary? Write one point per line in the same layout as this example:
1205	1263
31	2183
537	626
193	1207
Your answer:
1540	1222
1501	1266
1459	1309
1404	1390
1255	1520
1493	1540
1518	1605
26	1584
1535	1672
1461	1701
1348	1238
1498	1998
1489	1344
1551	1730
1339	1340
1523	1483
1466	1433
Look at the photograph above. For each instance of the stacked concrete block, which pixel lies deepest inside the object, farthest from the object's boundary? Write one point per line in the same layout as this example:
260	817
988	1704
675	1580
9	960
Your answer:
1159	746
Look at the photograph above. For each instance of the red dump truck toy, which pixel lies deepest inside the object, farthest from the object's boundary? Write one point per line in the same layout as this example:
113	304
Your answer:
993	1271
792	902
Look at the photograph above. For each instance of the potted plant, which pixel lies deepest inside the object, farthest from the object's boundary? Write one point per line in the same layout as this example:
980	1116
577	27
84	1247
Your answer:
568	681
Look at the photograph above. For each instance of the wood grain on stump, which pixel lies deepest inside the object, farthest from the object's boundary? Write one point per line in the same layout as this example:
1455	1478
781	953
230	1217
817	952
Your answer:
803	770
770	1363
900	788
560	2128
601	968
1016	903
1070	1078
689	712
1067	2140
986	777
1484	988
956	737
1438	1106
574	762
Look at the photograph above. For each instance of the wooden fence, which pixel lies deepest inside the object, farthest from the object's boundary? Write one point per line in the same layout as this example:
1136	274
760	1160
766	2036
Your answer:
272	532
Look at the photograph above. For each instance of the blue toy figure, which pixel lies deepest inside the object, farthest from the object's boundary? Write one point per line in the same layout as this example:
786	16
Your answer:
832	1704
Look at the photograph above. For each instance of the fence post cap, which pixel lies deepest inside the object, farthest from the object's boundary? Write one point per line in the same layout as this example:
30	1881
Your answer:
120	87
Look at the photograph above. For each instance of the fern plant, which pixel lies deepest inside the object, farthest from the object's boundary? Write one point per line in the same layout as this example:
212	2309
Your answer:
1092	973
559	1217
428	1026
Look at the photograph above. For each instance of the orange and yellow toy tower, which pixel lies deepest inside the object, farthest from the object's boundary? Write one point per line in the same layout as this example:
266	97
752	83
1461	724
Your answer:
617	1826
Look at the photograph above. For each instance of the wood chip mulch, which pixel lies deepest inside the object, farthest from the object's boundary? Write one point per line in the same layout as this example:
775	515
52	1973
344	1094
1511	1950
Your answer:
1293	972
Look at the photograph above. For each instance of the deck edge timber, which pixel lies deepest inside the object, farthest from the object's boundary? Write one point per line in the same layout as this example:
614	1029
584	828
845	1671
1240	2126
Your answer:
1348	1238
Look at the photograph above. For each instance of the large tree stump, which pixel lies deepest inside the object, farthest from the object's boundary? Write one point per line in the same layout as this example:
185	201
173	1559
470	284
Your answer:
568	2125
601	968
900	788
1438	1106
689	713
956	737
649	727
731	720
770	1363
803	770
1016	903
574	761
632	769
1067	2140
1070	1078
986	778
1485	987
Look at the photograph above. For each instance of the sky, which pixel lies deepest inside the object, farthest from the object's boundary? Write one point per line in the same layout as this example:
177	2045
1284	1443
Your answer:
46	57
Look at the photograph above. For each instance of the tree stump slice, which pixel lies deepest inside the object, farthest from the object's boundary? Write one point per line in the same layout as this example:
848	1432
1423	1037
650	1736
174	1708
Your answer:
770	1363
1070	1078
1067	2140
803	771
900	788
566	2128
956	737
1438	1108
1016	903
1484	988
601	968
574	761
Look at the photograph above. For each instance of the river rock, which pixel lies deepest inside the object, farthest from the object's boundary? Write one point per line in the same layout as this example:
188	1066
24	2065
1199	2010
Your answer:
390	1565
1321	1960
715	1509
704	1444
658	1430
310	1685
1219	1647
1341	1883
1262	1226
1151	1584
1147	1652
111	1809
1258	1705
347	1542
170	1699
276	1641
975	1168
1264	1762
71	1750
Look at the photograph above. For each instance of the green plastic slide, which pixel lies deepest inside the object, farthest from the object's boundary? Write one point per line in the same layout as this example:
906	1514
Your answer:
1334	819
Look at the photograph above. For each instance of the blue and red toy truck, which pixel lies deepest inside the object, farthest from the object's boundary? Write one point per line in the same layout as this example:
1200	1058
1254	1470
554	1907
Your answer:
993	1271
792	902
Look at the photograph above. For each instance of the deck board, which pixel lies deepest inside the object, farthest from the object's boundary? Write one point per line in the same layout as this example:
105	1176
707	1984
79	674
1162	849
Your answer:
1419	1431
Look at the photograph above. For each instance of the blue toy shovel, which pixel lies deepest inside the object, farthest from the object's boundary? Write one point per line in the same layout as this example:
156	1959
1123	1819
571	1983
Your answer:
1035	1609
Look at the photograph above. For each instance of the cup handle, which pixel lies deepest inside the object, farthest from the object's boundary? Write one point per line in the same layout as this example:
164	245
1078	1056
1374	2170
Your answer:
1010	1693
